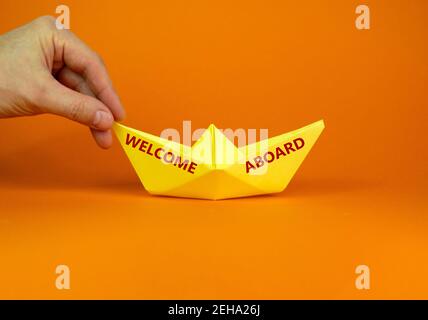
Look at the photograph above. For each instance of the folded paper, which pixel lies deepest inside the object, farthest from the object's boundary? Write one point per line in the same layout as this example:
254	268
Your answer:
214	168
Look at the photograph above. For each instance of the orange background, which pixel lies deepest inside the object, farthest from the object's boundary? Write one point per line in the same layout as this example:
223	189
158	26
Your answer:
359	198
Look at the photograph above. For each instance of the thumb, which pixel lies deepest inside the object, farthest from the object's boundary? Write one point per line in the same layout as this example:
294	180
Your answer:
60	100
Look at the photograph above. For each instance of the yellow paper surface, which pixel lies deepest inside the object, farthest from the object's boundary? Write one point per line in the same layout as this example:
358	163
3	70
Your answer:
214	168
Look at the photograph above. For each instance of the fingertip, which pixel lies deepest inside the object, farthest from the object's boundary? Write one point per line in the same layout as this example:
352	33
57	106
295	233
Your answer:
122	114
112	100
103	120
122	111
119	114
103	139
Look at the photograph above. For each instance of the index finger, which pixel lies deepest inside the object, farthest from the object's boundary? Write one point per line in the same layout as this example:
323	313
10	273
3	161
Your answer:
81	59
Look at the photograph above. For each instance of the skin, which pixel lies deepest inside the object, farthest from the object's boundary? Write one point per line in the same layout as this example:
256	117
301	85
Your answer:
46	70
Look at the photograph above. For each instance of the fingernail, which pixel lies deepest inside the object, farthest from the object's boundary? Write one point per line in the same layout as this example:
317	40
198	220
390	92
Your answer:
102	120
122	115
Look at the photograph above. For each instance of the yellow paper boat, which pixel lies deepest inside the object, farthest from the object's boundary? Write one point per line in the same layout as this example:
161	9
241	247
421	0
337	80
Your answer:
214	168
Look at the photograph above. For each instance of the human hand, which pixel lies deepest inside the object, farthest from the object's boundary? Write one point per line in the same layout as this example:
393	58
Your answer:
46	70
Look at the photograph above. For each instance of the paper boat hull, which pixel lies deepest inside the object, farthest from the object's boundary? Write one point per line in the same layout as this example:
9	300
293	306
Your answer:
213	168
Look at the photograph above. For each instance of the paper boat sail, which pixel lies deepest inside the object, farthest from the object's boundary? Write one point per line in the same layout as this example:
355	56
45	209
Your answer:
214	168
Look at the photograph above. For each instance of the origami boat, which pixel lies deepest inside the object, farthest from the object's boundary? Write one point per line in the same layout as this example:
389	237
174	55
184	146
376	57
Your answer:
214	168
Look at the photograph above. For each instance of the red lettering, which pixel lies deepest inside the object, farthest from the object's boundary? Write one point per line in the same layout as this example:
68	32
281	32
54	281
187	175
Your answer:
143	146
288	146
272	157
165	157
279	152
301	141
150	148
157	153
258	161
249	166
180	164
132	140
192	167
